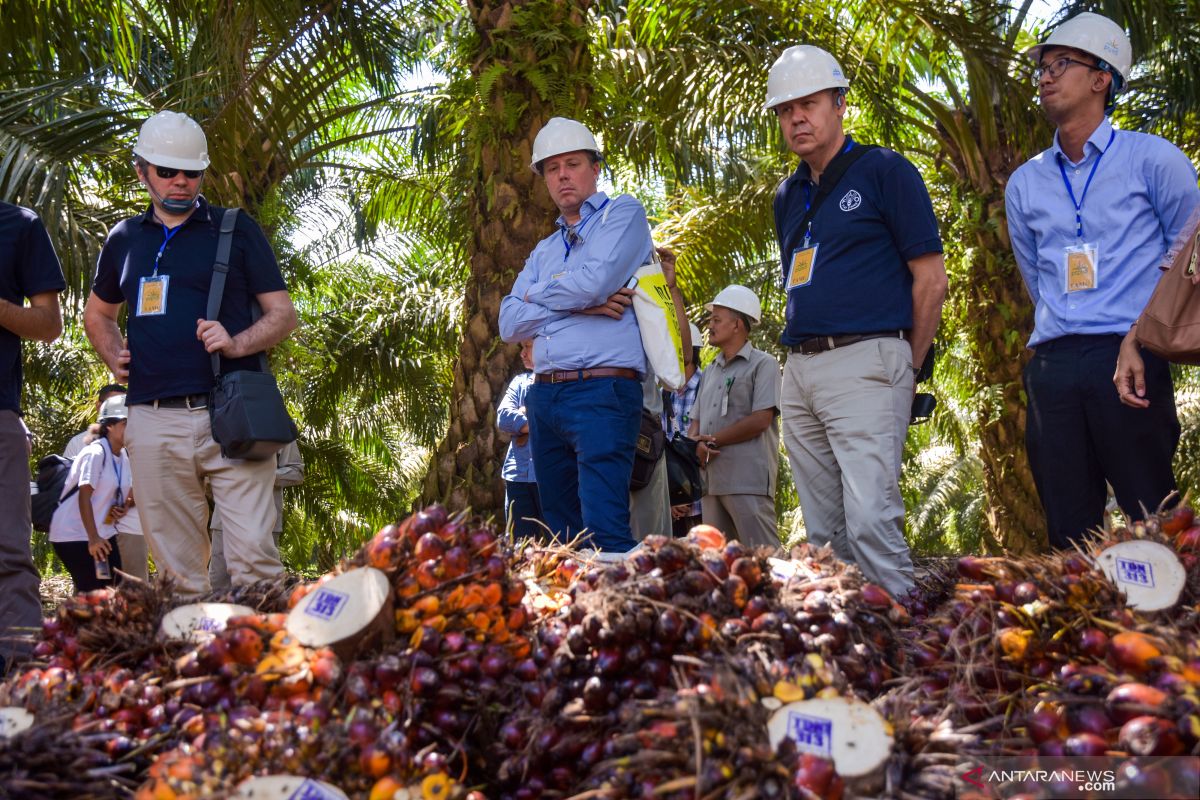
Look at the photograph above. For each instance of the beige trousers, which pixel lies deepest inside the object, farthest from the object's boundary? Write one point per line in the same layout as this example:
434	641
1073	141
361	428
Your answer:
749	518
172	451
133	549
650	506
845	417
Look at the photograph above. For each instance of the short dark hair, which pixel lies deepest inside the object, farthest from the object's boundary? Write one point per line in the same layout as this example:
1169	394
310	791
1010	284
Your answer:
745	318
110	389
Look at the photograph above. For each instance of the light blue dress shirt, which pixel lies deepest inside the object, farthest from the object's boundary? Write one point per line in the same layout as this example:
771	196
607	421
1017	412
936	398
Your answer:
1141	195
510	418
559	280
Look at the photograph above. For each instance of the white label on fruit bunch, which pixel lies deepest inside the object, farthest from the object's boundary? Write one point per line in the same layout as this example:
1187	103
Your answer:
14	720
1139	573
286	787
852	734
339	608
198	622
1148	573
811	734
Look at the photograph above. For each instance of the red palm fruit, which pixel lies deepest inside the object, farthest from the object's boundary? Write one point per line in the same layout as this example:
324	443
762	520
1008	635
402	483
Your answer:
1131	700
1150	736
1188	540
706	537
1178	520
1133	651
429	546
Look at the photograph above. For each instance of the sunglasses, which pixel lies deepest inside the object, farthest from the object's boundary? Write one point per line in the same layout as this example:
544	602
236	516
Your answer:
166	173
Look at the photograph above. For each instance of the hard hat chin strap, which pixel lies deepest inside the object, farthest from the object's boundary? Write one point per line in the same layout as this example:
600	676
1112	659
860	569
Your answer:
173	205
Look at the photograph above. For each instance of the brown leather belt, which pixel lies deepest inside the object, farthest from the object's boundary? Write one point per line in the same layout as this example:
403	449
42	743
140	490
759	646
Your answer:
189	401
822	344
568	375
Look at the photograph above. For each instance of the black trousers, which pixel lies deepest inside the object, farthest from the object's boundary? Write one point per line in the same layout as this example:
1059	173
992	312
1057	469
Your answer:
82	566
1079	434
526	504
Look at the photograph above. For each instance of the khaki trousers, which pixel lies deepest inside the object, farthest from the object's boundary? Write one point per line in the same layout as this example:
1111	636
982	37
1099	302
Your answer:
650	506
20	602
845	416
172	452
749	518
133	549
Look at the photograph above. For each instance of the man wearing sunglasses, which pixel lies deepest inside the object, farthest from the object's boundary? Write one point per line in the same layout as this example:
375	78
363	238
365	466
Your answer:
1090	219
160	264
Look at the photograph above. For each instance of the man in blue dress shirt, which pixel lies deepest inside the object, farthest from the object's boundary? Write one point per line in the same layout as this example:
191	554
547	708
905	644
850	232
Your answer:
1090	219
586	399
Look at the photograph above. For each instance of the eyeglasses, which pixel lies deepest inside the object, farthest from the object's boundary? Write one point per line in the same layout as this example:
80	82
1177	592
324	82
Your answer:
166	173
1057	67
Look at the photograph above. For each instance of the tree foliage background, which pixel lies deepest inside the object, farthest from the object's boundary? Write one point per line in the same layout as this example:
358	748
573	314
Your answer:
385	148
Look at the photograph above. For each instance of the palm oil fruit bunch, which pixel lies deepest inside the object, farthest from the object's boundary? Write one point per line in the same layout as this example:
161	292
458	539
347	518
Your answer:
626	633
825	607
653	750
50	761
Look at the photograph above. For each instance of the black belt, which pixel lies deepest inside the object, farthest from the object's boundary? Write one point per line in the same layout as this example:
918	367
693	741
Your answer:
190	401
821	344
567	375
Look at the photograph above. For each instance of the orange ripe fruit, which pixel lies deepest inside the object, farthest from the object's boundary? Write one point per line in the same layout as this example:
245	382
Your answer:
385	788
706	537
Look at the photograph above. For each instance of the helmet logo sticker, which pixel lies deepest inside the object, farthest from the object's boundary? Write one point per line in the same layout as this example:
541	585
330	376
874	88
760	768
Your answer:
1112	46
850	201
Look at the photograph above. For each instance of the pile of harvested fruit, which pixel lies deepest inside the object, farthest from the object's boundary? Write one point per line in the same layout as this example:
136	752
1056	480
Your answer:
443	661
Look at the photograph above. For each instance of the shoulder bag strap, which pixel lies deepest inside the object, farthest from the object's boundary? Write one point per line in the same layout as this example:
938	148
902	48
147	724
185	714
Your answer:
216	289
833	175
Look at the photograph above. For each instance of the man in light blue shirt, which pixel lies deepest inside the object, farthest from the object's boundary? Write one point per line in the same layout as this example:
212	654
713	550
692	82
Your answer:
1090	220
585	402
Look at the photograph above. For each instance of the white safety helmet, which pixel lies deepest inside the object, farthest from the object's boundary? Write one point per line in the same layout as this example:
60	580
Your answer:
697	336
800	71
113	409
1096	35
739	298
561	135
171	139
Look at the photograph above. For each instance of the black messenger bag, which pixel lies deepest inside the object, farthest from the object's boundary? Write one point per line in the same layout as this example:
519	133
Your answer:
249	418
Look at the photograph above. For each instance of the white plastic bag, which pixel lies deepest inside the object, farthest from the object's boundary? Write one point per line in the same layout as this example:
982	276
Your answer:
659	324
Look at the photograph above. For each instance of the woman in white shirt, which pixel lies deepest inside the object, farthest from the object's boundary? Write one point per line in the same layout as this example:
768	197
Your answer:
94	498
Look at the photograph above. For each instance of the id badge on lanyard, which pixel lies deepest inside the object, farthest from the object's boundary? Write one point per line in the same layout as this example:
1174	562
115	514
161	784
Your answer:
152	290
152	295
1081	261
804	257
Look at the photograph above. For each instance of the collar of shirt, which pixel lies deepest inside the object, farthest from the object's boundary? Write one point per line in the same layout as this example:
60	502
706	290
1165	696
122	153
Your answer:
692	383
1098	142
744	353
589	207
199	214
803	172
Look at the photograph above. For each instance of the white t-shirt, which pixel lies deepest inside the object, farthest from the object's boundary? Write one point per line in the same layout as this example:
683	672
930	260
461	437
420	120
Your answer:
96	467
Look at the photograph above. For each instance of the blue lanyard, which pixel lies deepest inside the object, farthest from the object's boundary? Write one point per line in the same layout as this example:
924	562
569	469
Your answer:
569	241
1070	191
808	193
167	234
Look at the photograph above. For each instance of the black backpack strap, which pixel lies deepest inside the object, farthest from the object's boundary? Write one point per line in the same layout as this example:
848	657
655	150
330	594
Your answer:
216	289
832	176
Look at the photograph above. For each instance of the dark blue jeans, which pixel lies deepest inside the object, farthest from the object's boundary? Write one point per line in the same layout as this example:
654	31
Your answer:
583	435
1079	435
525	508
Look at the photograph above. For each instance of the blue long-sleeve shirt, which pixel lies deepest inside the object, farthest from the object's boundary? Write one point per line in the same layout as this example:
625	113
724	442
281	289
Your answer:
510	418
560	280
1140	197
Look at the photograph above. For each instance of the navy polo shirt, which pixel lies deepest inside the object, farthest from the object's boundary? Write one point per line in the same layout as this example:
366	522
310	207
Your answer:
166	358
877	219
28	267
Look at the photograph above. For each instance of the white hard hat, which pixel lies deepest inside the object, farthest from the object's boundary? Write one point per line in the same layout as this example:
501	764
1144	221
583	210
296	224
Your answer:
171	139
697	336
739	298
1093	34
561	135
800	71
113	409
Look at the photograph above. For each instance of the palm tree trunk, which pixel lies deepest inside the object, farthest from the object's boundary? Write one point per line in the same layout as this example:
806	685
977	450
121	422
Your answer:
999	320
510	211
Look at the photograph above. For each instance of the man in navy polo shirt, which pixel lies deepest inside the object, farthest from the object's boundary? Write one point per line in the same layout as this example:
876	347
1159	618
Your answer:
160	263
29	269
865	280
